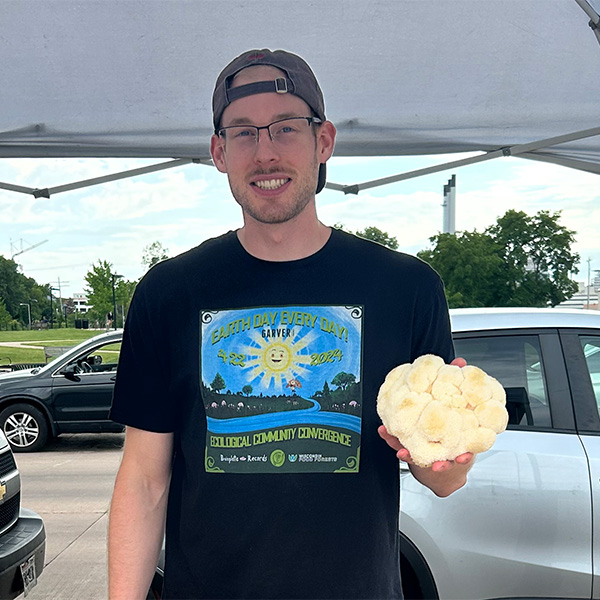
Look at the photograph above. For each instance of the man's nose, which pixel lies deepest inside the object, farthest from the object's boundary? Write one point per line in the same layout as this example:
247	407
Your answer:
266	150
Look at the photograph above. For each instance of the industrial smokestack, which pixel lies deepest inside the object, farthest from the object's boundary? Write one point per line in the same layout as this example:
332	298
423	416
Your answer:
449	225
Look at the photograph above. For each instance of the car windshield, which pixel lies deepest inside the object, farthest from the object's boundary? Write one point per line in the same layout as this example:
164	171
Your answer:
68	355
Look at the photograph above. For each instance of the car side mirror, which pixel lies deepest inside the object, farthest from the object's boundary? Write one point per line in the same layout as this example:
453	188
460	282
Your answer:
70	373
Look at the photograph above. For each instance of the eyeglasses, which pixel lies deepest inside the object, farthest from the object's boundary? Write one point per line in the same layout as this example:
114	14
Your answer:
283	133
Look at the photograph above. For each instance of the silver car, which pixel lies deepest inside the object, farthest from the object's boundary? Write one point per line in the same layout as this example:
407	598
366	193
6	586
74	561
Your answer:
524	525
527	524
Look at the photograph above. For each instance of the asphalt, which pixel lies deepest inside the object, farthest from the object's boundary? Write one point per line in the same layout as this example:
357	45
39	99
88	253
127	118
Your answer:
70	484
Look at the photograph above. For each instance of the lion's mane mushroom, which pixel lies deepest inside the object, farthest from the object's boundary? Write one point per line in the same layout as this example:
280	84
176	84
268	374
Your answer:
440	411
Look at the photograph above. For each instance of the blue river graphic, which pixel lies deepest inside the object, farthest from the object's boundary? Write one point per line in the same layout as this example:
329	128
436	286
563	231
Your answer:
307	416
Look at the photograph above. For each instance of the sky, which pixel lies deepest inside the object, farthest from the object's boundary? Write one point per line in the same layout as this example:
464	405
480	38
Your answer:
183	206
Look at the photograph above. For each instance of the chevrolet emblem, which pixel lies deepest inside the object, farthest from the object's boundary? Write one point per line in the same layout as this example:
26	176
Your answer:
2	490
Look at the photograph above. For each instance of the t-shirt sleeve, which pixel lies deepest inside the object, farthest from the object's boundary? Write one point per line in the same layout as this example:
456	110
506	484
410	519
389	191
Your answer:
432	321
141	396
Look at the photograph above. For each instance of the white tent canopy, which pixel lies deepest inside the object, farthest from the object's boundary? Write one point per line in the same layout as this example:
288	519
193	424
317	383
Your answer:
134	78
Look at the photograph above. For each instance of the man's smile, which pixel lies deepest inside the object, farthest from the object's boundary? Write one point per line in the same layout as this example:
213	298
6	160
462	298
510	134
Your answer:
270	184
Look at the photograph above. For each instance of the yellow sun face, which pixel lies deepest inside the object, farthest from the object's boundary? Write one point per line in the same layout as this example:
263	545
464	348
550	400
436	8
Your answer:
278	360
277	357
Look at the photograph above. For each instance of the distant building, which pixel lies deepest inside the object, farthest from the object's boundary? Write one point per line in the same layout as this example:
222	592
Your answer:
584	297
80	303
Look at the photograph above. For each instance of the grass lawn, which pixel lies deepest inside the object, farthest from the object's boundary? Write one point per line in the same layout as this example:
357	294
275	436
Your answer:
42	337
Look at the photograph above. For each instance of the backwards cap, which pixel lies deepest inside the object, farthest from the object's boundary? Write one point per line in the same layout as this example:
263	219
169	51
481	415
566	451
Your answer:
299	80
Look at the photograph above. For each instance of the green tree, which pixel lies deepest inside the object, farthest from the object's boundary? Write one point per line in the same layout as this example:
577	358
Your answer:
520	261
5	316
218	383
12	289
376	235
154	253
16	288
99	291
247	390
471	267
538	259
124	290
343	380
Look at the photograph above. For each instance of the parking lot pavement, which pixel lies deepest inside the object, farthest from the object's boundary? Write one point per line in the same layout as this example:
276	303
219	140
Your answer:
69	484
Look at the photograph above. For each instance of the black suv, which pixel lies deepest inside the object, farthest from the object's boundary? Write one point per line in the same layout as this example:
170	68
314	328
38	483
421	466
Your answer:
22	533
71	394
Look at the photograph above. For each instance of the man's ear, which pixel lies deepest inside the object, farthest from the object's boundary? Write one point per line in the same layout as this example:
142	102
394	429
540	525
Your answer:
326	141
217	151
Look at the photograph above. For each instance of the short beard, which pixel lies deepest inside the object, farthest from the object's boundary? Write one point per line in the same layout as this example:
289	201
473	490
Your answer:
278	212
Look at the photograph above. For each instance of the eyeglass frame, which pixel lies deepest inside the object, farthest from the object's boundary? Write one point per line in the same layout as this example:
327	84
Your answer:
310	120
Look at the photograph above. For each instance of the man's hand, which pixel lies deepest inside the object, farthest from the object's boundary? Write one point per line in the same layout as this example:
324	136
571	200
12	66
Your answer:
443	477
404	455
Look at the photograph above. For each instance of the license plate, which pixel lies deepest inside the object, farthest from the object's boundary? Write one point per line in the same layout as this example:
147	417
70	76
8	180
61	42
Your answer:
28	574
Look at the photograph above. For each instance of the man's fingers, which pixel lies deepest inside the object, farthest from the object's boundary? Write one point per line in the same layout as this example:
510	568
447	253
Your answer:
444	465
403	454
441	465
391	440
464	459
459	362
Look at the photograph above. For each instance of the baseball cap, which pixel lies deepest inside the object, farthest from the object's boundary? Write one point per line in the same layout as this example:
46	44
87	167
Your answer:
299	80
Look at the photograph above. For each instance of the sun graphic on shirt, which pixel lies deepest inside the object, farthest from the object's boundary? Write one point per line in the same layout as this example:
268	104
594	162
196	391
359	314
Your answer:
274	361
278	357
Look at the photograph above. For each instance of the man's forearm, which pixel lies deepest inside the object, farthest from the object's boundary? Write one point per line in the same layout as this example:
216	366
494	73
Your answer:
135	535
137	514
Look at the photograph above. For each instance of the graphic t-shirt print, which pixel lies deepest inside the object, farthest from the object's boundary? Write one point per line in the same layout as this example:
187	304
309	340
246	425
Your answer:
282	389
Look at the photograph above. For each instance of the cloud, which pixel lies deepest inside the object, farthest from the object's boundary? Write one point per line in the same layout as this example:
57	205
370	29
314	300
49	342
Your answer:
51	172
115	221
181	207
411	218
484	193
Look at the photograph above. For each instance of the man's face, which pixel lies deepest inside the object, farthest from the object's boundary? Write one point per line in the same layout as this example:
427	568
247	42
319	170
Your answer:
272	184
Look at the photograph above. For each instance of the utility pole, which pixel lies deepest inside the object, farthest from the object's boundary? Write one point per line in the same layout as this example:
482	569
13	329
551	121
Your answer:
59	288
114	276
589	283
51	308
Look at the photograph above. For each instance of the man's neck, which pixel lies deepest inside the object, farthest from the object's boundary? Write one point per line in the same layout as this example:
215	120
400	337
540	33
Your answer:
283	241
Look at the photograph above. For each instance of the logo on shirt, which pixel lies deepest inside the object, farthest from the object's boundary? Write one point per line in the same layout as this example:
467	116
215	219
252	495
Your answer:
282	383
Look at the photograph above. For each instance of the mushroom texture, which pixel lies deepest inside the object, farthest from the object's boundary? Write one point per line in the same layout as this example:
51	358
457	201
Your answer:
440	411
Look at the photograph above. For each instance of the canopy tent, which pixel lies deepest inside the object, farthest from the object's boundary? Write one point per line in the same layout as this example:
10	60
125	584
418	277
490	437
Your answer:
134	78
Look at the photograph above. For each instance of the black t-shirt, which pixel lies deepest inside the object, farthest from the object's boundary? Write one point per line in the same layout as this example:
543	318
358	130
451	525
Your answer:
268	374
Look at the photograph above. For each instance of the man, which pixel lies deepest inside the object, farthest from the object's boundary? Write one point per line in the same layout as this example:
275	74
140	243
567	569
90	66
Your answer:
249	373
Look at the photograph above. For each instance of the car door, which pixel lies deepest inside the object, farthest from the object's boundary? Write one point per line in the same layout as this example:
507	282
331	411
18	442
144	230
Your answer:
82	402
582	351
521	527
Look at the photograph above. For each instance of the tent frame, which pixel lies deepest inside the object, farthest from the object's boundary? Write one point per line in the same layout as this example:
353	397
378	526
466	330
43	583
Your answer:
521	150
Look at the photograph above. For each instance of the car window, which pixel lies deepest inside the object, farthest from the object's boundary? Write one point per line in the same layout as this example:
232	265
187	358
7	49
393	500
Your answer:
99	360
591	351
517	363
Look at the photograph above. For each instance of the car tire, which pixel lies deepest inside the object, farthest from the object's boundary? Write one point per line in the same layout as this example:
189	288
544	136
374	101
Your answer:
25	427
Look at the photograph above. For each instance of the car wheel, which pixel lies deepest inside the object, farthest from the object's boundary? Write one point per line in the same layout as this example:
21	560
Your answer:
25	427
